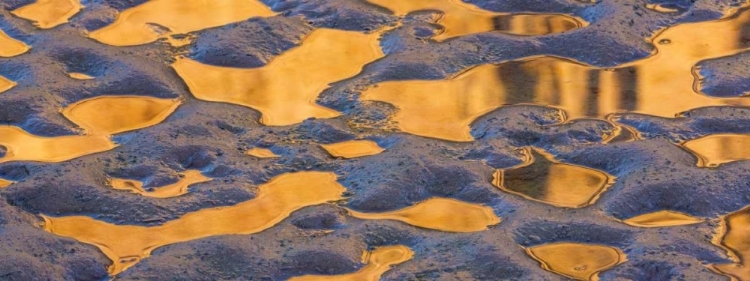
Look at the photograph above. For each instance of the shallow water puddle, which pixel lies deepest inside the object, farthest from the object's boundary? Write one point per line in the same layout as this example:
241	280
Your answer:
187	178
10	47
622	133
156	19
714	150
353	148
49	13
5	183
542	179
575	260
6	84
22	146
125	245
80	76
99	116
285	89
662	218
439	109
460	18
440	214
734	236
258	152
116	114
378	262
444	109
663	8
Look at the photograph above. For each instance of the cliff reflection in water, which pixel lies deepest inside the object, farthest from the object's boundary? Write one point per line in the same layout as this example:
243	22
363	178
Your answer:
444	108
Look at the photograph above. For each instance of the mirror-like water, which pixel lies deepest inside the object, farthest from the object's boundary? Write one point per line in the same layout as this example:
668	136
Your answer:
544	180
459	18
444	109
353	149
156	19
49	13
111	115
5	183
100	117
6	84
187	178
662	219
22	146
441	214
577	261
733	236
125	245
258	152
378	262
713	150
285	91
325	56
80	76
10	47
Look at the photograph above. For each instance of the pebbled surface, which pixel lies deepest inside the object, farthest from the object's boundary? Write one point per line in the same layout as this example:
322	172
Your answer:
652	173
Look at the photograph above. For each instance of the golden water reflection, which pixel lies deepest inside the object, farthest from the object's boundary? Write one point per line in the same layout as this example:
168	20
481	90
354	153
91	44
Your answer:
187	178
258	152
156	19
440	214
116	114
662	219
49	13
734	236
353	148
22	146
80	76
125	245
575	260
460	18
542	179
661	8
6	84
714	150
444	109
378	262
285	89
10	47
99	116
5	183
